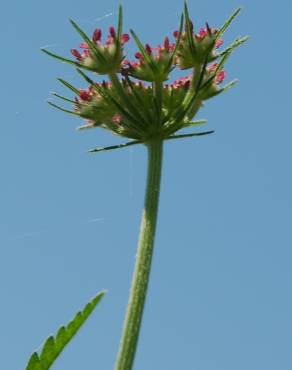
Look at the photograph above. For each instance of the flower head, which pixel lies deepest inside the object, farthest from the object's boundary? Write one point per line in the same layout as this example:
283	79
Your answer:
147	107
152	63
102	58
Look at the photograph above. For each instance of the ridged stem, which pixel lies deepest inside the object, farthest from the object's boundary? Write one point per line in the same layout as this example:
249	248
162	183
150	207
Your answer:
140	280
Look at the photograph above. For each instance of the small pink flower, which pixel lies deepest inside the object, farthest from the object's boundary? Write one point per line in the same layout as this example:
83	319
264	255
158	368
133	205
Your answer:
218	43
212	67
220	77
97	35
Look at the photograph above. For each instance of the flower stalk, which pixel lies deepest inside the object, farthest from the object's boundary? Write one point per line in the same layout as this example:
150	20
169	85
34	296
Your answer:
132	324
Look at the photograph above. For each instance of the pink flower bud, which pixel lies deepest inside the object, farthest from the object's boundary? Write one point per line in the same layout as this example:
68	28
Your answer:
218	43
97	35
83	45
112	32
76	54
125	38
220	77
212	67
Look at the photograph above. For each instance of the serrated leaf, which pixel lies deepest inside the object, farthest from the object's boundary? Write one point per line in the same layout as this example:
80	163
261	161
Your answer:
34	362
54	345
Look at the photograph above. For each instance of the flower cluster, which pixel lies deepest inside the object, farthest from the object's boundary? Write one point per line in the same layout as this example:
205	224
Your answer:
152	66
149	106
102	58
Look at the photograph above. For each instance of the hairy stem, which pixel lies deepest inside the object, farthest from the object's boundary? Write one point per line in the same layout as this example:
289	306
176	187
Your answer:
141	274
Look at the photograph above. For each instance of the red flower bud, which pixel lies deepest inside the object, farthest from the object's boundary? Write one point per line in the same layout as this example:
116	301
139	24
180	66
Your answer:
148	49
125	38
176	34
84	95
166	43
138	55
76	54
97	35
112	32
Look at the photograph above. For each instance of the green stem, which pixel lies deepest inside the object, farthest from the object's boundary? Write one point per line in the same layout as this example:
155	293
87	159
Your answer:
141	274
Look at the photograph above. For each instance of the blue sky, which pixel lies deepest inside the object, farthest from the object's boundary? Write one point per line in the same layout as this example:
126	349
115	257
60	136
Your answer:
220	292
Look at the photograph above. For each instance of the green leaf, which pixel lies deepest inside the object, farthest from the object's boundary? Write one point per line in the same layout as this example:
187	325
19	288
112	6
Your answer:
227	23
189	30
139	101
190	135
119	146
120	23
63	109
63	98
195	123
230	85
54	345
131	107
176	45
67	84
63	59
239	41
